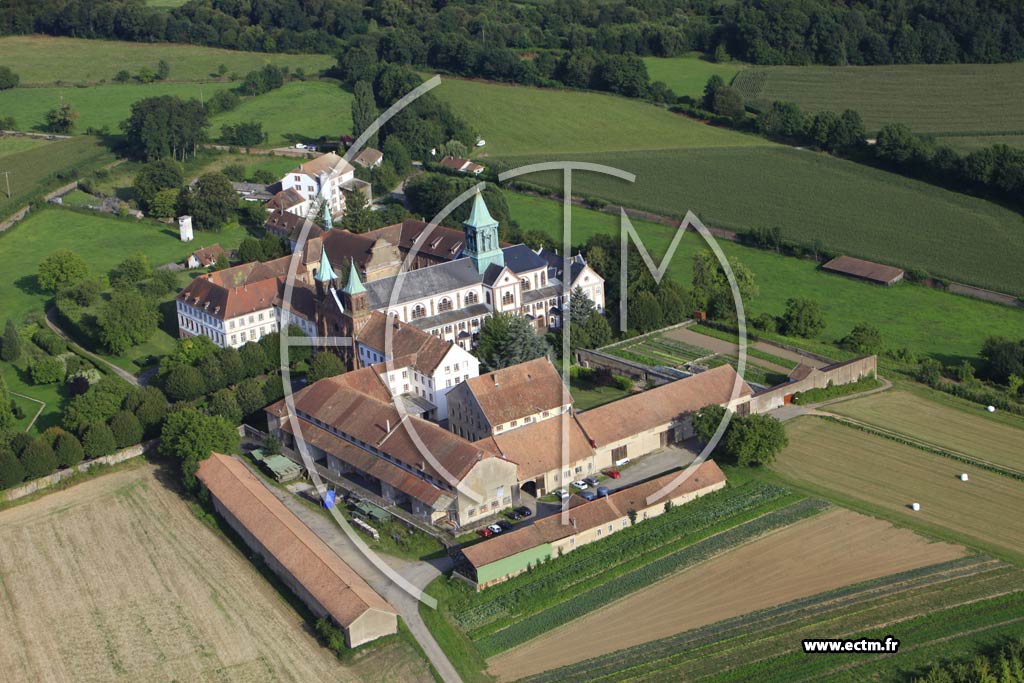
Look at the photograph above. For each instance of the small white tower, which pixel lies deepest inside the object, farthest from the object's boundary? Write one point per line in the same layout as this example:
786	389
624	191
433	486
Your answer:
185	228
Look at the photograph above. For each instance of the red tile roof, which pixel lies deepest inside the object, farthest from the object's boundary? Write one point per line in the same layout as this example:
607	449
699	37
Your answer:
423	350
537	448
330	581
629	416
867	270
519	390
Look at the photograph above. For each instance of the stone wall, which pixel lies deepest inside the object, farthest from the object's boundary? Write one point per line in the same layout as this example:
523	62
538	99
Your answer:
60	475
836	375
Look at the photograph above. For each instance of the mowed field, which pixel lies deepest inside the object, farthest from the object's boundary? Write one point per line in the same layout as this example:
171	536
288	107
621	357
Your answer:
976	435
924	320
32	168
116	579
326	110
47	60
965	99
689	74
825	552
847	207
850	465
98	106
522	120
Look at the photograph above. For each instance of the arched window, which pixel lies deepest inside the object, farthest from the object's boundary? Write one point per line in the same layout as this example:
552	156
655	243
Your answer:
525	283
419	311
472	298
508	298
444	305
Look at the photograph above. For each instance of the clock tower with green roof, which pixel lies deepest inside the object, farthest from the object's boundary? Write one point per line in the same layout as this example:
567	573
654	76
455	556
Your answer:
482	236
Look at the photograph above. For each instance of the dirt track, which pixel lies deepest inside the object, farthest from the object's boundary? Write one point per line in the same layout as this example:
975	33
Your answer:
116	579
828	551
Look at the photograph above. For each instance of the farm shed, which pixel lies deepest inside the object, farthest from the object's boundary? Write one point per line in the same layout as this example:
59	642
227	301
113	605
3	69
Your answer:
314	572
511	553
864	270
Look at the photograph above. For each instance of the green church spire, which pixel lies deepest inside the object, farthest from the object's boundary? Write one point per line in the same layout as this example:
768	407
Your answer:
353	285
482	236
324	273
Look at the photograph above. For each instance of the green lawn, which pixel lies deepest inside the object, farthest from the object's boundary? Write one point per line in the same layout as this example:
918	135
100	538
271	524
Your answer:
12	145
34	169
927	321
49	60
936	98
522	120
849	207
98	106
299	111
688	75
588	395
102	240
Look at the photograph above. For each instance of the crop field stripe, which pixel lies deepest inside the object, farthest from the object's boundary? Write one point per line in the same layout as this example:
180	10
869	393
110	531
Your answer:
621	552
722	636
645	576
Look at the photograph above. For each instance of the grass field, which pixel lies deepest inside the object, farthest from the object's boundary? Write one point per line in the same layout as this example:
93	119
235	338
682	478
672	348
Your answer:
688	75
98	106
964	99
45	60
326	110
972	433
926	321
117	579
33	173
850	208
759	644
849	465
12	144
831	550
522	120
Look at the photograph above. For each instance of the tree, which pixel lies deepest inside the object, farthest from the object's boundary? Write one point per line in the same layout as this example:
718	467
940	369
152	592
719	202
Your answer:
10	348
6	414
397	155
47	370
243	134
231	365
99	441
61	269
126	320
358	213
597	330
507	339
1002	358
165	126
8	79
155	177
163	70
224	404
249	395
184	383
711	289
325	364
127	429
644	312
755	439
150	407
61	119
254	359
864	338
706	421
364	110
122	76
714	84
190	437
729	103
100	403
145	75
68	450
250	250
580	306
211	202
38	459
782	119
130	271
802	318
164	203
11	471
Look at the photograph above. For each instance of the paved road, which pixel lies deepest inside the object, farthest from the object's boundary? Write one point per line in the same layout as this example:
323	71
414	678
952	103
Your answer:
141	381
418	573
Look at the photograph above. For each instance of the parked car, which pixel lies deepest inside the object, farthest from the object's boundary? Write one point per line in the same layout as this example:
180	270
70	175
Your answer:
581	485
514	516
495	529
485	532
614	474
587	495
562	493
591	481
602	490
524	511
504	524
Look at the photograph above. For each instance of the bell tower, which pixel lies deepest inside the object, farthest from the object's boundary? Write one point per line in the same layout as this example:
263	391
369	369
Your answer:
481	231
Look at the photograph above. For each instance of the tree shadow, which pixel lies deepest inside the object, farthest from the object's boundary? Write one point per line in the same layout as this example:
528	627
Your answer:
29	284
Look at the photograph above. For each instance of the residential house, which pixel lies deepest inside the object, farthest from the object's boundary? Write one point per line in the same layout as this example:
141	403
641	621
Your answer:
462	165
205	257
368	157
324	177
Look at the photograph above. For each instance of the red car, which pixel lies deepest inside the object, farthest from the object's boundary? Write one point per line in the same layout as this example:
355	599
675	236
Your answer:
485	532
614	474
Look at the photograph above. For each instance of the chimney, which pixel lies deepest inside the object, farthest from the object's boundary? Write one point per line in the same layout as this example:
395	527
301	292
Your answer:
387	426
573	520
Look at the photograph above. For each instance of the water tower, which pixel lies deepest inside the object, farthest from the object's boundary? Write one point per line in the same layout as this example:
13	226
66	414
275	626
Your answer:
185	228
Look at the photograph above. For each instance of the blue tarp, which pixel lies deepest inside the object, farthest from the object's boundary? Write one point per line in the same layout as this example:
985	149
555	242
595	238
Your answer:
329	499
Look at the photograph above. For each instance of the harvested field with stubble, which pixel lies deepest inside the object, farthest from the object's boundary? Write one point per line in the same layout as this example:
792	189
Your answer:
828	551
116	579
